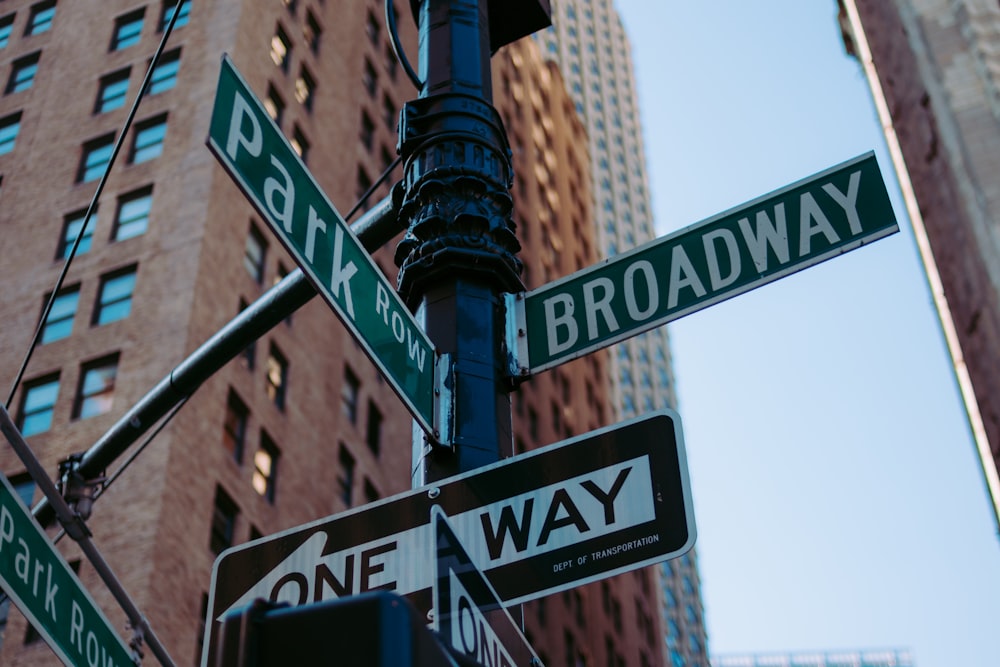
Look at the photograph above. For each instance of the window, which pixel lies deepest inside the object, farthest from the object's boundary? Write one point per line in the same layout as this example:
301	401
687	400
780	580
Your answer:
346	478
349	395
690	614
570	643
280	275
374	432
165	73
274	105
277	377
6	26
372	28
24	487
114	299
96	390
249	353
111	91
9	127
133	214
669	598
59	323
371	493
168	13
41	17
281	49
265	468
72	226
299	143
254	254
370	78
223	522
38	402
578	607
388	112
95	159
305	88
148	139
128	30
234	428
367	130
22	73
391	62
311	32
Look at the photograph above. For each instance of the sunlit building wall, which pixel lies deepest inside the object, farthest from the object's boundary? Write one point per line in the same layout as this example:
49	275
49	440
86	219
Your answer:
934	72
880	658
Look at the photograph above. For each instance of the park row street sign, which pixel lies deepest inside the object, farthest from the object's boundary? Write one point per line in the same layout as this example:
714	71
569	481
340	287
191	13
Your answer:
256	154
548	520
802	224
49	594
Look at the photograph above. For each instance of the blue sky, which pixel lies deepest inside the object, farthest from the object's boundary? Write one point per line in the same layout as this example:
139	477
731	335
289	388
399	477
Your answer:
838	498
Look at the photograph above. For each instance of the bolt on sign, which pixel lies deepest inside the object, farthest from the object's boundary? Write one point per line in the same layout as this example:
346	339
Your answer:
800	225
273	177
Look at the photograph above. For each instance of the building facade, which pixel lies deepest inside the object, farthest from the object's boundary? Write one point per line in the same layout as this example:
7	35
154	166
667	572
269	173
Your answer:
589	42
934	72
882	658
300	425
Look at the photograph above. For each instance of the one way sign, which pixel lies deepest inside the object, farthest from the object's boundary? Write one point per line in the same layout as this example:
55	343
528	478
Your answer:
575	512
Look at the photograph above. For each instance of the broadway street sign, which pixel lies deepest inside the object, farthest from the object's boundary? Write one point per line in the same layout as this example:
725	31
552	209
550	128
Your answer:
44	588
751	245
552	519
276	181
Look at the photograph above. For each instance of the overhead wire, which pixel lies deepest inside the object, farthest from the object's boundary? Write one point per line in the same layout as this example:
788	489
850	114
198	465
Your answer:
397	47
93	203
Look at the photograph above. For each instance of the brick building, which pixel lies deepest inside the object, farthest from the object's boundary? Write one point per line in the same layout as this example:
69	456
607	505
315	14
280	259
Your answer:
934	72
300	426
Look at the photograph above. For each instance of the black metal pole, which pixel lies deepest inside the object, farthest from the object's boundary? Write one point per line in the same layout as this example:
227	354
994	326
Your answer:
459	253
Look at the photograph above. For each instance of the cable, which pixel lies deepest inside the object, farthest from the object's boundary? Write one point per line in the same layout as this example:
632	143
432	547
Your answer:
93	204
397	47
373	186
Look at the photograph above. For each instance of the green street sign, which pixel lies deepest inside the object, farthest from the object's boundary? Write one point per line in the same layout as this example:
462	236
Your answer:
276	181
802	224
48	593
